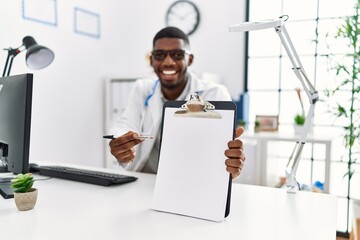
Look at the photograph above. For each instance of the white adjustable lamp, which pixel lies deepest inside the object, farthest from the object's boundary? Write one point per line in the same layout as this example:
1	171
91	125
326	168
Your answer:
279	26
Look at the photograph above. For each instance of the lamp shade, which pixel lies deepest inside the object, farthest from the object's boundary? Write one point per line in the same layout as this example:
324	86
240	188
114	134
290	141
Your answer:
37	56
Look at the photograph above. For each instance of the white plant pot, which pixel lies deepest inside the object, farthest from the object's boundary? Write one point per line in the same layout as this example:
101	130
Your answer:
26	201
298	129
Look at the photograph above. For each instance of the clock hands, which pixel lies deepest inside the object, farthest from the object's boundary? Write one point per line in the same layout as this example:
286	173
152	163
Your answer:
176	15
182	16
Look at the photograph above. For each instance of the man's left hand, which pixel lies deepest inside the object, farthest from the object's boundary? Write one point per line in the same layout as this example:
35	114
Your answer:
235	154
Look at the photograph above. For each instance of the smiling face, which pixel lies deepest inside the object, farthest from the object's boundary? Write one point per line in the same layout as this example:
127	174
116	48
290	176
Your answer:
172	73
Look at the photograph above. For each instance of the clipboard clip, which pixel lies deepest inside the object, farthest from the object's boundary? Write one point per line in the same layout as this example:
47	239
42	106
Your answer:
196	104
196	107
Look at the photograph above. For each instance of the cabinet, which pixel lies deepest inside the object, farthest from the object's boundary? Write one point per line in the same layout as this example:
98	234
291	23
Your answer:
116	94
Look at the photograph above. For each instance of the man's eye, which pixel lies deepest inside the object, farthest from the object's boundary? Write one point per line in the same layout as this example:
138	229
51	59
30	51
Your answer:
159	54
178	55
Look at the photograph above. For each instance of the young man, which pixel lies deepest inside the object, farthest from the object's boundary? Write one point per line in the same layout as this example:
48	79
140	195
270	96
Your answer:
170	59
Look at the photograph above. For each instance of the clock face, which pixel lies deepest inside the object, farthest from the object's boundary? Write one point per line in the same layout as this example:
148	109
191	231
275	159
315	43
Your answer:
184	15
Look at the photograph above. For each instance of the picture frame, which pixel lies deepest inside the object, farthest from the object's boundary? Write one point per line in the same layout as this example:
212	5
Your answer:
268	123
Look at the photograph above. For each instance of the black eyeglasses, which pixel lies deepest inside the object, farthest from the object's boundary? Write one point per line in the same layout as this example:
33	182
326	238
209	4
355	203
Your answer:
176	54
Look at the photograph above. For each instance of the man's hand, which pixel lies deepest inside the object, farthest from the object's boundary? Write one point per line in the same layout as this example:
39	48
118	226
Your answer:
123	147
235	154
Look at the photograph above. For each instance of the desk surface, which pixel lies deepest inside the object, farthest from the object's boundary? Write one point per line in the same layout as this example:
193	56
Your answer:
73	210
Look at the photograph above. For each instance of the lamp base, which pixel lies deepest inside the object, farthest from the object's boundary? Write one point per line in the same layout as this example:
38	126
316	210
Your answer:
292	186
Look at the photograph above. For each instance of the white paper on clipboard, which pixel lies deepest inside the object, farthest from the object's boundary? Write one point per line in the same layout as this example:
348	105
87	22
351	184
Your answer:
192	179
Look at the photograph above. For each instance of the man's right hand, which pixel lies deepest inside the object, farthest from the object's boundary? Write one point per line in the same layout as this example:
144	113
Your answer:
123	147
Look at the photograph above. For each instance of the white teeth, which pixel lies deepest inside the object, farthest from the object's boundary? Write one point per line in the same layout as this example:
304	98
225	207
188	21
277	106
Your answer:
169	72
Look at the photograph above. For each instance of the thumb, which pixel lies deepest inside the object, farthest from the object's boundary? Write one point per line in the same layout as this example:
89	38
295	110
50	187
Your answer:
239	131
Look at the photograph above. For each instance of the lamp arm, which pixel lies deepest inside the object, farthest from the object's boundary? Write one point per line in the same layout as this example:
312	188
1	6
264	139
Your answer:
313	97
297	65
9	60
6	64
294	159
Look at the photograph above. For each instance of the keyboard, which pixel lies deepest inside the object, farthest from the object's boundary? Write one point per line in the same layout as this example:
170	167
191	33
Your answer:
86	176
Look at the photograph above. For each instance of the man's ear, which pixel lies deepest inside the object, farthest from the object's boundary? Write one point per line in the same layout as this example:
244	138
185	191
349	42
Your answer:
191	59
150	60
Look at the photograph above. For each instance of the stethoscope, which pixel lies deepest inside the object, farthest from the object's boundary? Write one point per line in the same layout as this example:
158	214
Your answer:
151	94
146	103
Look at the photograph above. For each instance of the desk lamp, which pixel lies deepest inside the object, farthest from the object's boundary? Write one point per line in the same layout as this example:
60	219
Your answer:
279	26
37	57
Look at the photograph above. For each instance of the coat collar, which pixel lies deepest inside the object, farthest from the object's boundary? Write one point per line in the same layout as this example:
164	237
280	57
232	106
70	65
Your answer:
157	101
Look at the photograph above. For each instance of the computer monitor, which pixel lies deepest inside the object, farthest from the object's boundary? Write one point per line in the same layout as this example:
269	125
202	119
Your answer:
15	123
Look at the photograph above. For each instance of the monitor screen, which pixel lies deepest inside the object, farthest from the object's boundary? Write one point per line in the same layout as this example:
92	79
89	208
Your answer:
15	123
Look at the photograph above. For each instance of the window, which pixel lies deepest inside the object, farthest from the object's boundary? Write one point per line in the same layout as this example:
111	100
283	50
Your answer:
271	83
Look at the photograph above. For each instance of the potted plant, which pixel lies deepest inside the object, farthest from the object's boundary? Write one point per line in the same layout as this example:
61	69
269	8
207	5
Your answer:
299	119
347	92
241	123
24	194
257	126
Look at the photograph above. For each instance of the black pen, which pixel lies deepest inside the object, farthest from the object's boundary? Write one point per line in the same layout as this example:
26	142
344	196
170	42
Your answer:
142	137
109	136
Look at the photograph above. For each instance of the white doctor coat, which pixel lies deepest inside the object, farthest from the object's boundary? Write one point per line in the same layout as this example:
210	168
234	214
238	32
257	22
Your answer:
144	119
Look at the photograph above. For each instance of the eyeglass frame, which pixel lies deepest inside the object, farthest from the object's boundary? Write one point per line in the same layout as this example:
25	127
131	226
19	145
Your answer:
169	53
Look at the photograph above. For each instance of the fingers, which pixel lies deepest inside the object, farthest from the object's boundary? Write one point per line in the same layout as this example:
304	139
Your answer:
127	156
236	158
129	137
122	148
234	166
237	143
235	155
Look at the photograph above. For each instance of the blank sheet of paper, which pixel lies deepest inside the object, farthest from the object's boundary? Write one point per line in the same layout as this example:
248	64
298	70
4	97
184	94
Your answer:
192	179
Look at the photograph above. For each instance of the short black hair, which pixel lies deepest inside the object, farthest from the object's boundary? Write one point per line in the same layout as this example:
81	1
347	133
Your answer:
171	32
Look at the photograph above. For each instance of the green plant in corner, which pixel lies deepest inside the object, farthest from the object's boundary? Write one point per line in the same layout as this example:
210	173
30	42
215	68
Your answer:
346	93
347	89
22	183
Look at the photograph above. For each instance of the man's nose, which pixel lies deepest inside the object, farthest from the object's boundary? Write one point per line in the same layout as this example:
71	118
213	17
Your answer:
168	59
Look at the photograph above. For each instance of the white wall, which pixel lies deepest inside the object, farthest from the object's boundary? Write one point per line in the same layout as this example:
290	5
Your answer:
68	96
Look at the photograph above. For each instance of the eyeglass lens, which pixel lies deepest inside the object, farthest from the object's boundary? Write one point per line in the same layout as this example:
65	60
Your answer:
177	54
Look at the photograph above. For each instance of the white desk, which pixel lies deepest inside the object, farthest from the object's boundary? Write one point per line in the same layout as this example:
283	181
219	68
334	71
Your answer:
72	210
263	138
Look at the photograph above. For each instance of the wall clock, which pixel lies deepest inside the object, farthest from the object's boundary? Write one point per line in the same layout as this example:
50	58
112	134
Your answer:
184	15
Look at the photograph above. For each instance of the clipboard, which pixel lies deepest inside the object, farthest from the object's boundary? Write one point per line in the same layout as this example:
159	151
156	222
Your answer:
192	179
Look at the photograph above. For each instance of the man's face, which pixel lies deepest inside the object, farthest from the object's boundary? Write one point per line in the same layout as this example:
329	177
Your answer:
171	70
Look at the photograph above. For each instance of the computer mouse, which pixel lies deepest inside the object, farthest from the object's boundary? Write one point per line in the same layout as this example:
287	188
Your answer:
33	167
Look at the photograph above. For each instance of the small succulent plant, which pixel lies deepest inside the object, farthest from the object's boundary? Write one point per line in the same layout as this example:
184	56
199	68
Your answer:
22	182
299	119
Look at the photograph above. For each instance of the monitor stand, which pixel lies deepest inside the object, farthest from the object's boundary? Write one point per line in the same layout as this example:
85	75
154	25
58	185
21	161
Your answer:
3	166
6	190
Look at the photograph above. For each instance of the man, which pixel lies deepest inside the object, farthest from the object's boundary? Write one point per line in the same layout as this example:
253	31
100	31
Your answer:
170	59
